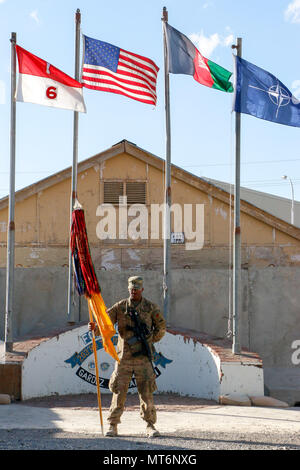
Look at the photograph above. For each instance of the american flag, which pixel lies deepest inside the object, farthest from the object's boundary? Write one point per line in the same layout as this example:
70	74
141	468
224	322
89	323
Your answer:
109	68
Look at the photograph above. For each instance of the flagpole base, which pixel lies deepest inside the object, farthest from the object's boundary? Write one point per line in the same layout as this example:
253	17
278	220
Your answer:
8	347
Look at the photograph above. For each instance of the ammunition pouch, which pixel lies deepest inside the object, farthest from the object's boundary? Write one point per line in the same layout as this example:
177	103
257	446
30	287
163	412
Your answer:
136	347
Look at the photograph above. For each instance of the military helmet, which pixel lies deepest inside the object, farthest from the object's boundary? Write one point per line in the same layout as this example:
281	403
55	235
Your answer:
135	282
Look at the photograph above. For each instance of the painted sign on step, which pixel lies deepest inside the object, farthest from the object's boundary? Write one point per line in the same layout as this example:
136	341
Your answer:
84	365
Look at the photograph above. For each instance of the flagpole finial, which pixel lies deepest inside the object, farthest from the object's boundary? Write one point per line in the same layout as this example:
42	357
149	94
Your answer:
13	37
238	46
165	14
78	16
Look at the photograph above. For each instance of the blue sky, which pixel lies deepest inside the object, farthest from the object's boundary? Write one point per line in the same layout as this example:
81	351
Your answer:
202	124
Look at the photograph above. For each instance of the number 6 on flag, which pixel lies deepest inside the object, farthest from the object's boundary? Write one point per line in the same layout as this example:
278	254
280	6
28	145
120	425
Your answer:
51	92
36	75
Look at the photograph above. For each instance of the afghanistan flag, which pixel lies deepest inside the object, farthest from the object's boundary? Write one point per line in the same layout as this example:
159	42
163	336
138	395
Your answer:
184	58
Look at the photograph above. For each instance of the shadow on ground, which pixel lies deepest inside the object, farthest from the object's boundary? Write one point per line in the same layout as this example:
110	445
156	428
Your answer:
163	402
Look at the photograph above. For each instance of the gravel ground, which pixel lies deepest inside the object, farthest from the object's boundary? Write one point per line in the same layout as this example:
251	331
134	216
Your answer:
57	440
195	441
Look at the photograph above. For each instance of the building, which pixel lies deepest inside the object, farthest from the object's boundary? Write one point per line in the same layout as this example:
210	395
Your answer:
278	206
129	239
42	217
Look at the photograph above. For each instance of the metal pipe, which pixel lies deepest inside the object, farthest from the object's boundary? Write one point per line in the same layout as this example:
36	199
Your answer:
167	218
73	198
236	297
11	211
293	199
8	343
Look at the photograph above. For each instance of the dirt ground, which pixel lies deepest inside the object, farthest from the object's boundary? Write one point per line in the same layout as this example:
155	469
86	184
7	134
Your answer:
163	402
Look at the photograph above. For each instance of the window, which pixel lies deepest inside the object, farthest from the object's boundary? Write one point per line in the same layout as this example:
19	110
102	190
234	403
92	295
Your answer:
134	190
112	191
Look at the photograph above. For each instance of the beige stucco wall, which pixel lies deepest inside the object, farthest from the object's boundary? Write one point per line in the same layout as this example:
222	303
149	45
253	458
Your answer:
42	223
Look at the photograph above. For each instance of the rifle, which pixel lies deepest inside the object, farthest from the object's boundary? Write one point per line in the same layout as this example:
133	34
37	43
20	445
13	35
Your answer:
141	332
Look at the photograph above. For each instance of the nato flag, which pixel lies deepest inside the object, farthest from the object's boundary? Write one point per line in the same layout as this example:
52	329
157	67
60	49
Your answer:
262	95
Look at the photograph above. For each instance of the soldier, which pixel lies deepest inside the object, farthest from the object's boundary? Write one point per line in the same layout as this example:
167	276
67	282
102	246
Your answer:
132	356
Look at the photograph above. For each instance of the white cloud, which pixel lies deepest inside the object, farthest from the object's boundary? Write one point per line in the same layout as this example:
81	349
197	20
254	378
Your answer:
34	16
228	40
292	13
207	45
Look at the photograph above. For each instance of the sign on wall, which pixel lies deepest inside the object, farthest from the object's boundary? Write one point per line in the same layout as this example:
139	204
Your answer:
84	365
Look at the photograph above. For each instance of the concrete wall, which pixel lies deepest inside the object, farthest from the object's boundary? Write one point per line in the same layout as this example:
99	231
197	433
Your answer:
270	316
199	299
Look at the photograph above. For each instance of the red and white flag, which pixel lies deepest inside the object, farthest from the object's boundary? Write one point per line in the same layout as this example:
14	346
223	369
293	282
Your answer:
42	83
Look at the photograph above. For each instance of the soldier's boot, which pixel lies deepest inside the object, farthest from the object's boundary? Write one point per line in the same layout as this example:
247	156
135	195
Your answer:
151	431
112	431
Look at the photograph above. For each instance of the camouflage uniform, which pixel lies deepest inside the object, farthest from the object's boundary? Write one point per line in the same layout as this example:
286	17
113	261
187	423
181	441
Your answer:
130	364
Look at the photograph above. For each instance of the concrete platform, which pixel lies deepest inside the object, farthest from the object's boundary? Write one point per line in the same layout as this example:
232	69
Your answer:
187	362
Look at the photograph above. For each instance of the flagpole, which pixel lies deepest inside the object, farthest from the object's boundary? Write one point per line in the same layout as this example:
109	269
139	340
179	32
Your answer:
236	297
167	217
8	344
73	198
